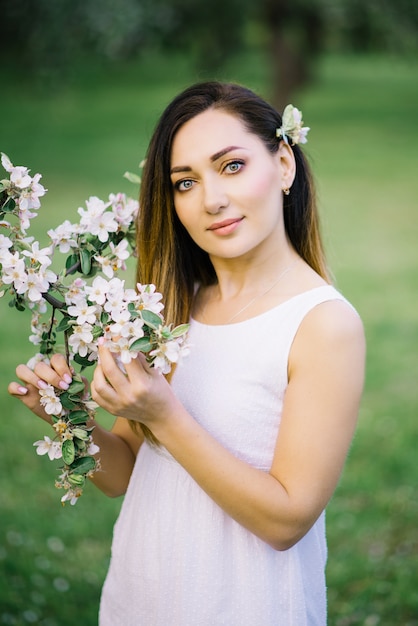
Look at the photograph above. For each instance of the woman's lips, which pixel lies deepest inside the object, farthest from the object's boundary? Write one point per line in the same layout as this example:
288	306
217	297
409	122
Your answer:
226	226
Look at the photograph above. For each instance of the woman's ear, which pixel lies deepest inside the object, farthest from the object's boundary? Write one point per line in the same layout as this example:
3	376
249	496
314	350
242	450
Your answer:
287	164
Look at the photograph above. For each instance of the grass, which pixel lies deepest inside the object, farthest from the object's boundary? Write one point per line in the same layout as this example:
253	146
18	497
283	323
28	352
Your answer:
82	137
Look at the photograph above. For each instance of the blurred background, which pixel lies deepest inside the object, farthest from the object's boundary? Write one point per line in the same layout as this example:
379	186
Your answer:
82	85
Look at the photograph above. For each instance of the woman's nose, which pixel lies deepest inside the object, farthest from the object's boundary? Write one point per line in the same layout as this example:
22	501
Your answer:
214	197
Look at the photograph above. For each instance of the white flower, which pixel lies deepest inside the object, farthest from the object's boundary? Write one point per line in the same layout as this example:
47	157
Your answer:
103	225
72	495
38	358
50	401
106	265
121	319
37	255
6	162
75	291
81	339
121	250
37	190
292	126
95	208
19	177
135	329
63	236
114	260
124	209
15	272
149	298
37	329
5	243
49	447
98	290
6	257
115	296
25	216
92	448
29	197
165	355
83	312
121	348
37	283
96	221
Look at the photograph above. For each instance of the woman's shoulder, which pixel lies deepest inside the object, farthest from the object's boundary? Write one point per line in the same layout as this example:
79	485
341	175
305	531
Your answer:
333	325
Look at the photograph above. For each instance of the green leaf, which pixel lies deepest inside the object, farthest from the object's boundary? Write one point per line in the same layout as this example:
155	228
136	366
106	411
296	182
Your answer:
77	386
151	319
9	206
104	317
141	345
132	310
66	402
68	451
133	178
84	464
91	239
80	433
83	360
70	262
19	305
97	332
85	260
78	417
180	330
76	480
63	325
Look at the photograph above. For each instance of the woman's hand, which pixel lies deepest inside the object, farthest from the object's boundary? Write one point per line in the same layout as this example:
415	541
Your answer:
142	394
57	374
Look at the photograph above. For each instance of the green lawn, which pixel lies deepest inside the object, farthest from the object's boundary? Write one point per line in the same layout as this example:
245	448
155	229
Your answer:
363	146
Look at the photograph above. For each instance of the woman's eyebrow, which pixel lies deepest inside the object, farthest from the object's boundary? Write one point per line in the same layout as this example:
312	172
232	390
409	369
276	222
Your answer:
222	153
180	168
213	158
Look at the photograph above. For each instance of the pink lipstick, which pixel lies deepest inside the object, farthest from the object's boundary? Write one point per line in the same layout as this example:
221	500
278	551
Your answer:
226	226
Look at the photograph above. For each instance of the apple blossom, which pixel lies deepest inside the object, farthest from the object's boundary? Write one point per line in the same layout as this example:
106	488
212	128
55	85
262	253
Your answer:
84	308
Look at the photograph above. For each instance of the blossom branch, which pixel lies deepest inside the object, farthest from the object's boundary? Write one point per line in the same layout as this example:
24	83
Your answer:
130	321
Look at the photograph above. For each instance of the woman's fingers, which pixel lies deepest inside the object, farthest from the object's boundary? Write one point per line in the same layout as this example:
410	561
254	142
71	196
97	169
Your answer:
111	371
29	395
27	376
57	373
16	389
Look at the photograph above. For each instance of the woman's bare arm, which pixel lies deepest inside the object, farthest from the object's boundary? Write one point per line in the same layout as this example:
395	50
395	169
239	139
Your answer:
326	373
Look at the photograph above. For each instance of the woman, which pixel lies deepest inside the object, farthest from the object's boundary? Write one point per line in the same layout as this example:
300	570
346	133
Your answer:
238	455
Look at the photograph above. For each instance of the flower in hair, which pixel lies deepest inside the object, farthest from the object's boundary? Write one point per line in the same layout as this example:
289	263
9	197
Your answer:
292	126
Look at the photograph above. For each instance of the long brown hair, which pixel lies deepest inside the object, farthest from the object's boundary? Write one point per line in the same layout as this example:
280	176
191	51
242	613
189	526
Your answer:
167	256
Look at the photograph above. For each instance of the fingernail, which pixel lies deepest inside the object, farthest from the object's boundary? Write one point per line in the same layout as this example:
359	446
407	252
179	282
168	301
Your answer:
67	378
63	385
22	390
42	384
101	341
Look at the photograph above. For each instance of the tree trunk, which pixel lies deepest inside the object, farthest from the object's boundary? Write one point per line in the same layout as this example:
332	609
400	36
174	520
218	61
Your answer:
295	37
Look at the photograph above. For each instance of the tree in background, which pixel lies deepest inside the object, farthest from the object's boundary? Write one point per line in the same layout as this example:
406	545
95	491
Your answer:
50	37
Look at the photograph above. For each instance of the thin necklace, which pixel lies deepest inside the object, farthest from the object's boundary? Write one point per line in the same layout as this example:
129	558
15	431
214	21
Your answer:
247	306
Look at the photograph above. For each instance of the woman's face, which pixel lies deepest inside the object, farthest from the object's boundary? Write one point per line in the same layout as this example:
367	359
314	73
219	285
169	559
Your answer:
227	186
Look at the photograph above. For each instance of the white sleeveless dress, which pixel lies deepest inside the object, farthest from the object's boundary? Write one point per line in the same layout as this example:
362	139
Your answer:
177	558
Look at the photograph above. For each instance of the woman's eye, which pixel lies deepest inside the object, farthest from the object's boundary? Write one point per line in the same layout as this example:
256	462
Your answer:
234	166
183	185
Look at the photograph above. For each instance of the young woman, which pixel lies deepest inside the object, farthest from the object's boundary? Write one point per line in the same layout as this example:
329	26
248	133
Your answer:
227	467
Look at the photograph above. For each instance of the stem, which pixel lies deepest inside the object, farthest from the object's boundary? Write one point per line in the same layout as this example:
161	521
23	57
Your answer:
54	302
74	267
51	326
67	349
